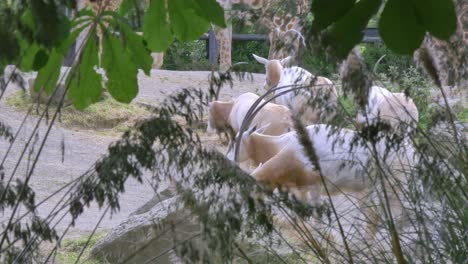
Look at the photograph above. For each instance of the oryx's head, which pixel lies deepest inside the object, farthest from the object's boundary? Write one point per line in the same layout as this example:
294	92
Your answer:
273	69
218	116
244	143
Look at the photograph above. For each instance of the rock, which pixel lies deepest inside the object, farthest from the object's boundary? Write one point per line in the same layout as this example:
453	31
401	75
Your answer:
17	79
157	198
148	235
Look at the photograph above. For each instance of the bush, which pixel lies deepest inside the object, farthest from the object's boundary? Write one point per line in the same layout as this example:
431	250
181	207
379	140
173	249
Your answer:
192	56
242	52
318	64
462	115
372	52
186	56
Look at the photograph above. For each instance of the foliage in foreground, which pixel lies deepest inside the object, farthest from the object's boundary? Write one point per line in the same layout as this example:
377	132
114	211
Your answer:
31	47
402	24
219	194
220	197
26	43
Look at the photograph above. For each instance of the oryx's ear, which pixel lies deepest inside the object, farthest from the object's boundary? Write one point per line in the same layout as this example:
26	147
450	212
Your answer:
287	62
260	59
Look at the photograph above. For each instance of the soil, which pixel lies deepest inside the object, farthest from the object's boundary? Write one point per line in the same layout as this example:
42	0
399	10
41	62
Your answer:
68	153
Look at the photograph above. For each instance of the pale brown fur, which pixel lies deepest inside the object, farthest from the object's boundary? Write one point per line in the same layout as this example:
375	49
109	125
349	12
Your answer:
285	166
280	167
219	116
277	116
273	73
310	115
323	90
395	109
227	116
285	170
260	148
399	108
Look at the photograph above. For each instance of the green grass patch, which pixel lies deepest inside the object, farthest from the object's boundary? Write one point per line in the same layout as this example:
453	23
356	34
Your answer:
346	112
463	115
106	114
71	248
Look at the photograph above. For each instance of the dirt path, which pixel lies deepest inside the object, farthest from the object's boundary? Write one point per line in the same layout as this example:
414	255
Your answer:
59	165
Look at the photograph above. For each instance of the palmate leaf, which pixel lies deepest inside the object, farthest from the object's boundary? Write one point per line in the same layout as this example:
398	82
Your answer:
126	6
188	20
347	32
399	27
186	23
211	10
51	26
85	84
437	16
402	24
40	59
140	54
47	76
156	30
328	11
9	46
121	71
27	52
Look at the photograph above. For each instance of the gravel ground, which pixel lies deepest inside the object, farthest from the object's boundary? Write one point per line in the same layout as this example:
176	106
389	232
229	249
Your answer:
58	166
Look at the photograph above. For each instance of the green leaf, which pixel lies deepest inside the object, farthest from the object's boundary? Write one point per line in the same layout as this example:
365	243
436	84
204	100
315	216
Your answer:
51	26
69	3
85	84
348	31
65	46
40	59
28	53
155	27
186	24
437	16
140	54
328	11
48	76
27	20
9	46
126	6
85	13
400	28
121	72
211	11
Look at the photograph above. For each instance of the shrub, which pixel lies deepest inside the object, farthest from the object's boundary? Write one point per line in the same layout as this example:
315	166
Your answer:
372	52
318	64
193	55
186	56
242	52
